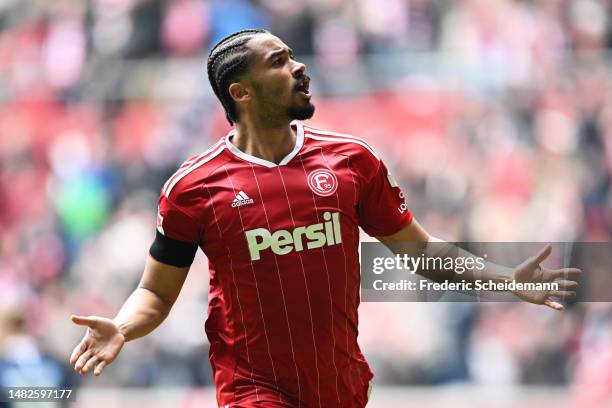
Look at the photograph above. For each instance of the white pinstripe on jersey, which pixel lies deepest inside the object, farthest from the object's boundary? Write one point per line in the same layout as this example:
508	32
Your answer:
314	341
331	301
205	157
333	136
339	137
356	197
188	163
280	282
257	291
229	258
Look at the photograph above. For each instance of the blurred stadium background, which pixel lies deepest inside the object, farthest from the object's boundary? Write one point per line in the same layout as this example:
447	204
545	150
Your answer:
496	116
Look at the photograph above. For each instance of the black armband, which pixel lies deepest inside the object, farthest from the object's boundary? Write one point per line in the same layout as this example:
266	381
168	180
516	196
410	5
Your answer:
172	252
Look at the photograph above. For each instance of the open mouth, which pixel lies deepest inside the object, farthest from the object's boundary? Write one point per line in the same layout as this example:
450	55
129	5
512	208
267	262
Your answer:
303	86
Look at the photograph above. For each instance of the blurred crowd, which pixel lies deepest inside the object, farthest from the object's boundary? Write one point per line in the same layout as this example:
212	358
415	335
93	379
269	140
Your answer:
495	116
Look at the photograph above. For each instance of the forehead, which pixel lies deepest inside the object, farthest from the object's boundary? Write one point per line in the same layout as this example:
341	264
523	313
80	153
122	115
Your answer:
265	44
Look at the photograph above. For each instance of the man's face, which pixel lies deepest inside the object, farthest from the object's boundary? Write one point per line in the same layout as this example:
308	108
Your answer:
278	84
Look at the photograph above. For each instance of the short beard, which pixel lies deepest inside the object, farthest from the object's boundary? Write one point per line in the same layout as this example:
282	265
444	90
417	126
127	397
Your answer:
301	112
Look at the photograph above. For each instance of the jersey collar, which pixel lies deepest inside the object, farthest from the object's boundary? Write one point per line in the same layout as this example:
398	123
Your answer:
299	141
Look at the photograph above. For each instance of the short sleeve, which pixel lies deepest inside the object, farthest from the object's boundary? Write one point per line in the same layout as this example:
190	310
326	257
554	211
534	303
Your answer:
382	206
174	222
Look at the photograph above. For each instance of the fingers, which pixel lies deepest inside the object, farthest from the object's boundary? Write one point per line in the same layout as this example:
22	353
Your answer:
553	305
567	284
564	294
565	273
99	368
90	359
89	364
78	367
91	321
543	254
78	350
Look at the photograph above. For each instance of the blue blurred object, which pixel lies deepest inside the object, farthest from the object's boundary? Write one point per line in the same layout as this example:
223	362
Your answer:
229	16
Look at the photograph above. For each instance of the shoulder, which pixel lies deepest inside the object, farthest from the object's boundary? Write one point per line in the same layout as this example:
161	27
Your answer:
360	153
184	184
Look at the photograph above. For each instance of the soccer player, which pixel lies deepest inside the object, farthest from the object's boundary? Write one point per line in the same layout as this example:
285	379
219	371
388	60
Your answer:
276	207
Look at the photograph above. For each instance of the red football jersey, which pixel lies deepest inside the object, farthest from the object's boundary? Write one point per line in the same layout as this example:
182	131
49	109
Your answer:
282	244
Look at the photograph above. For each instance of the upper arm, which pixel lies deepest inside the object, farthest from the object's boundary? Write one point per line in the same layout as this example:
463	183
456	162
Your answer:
382	207
176	240
412	232
164	280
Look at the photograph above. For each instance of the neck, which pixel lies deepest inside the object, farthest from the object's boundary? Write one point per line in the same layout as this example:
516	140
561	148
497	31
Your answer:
264	140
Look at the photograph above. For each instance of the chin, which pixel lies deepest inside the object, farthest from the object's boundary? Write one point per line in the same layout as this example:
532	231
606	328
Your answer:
302	112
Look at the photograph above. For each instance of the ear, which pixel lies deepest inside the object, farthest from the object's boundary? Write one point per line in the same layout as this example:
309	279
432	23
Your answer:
239	92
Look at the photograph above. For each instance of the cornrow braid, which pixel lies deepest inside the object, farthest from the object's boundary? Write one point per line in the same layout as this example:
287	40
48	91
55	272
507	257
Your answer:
227	60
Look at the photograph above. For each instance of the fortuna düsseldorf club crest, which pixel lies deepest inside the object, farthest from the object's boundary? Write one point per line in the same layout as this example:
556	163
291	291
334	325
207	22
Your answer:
322	182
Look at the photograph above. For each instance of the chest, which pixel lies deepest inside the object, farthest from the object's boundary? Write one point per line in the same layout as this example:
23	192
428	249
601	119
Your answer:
309	190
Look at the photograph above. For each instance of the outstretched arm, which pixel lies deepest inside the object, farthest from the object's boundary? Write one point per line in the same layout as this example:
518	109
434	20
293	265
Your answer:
150	303
528	271
142	312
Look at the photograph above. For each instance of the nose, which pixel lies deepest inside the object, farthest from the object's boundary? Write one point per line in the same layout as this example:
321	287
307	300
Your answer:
298	68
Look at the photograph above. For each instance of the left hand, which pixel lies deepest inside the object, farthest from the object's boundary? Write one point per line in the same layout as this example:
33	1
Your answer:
531	271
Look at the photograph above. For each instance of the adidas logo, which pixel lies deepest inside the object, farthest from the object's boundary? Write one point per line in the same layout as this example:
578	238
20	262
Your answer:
241	199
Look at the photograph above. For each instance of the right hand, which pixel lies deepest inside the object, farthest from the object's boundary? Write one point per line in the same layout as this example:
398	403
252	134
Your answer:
100	346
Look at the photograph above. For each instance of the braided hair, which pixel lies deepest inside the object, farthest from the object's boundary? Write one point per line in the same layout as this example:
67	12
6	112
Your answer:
228	60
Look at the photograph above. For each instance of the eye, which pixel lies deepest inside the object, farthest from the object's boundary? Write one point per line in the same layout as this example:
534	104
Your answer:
277	62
